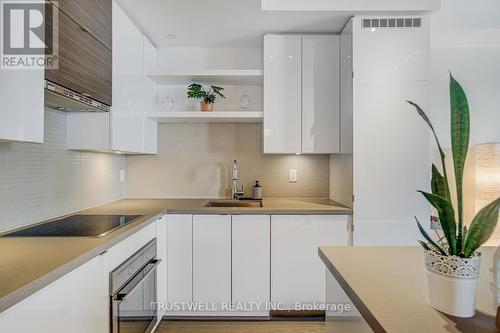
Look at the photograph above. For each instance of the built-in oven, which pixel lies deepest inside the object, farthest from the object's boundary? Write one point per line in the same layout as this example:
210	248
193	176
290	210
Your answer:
133	292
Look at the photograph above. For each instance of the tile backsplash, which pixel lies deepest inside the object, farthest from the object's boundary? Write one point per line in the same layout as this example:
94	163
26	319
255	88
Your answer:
194	160
41	181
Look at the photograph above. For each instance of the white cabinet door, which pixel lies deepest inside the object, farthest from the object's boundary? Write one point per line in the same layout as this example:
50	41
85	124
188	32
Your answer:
212	259
297	273
346	89
150	96
179	258
320	94
161	237
251	255
128	75
282	94
21	105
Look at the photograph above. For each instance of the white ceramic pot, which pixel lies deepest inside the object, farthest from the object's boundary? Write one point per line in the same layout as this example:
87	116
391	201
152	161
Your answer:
452	282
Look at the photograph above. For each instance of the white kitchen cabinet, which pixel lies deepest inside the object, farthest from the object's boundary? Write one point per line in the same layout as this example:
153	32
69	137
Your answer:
22	105
79	125
179	258
346	73
212	259
126	113
297	273
134	93
282	94
251	255
320	94
301	94
78	302
161	237
150	126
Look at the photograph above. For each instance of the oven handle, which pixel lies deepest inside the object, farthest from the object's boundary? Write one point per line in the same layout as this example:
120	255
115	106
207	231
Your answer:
121	297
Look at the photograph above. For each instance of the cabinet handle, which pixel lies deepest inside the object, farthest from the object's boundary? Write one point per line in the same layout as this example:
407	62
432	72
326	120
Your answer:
87	30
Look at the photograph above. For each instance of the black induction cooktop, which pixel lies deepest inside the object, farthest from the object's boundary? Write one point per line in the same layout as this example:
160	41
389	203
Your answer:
77	226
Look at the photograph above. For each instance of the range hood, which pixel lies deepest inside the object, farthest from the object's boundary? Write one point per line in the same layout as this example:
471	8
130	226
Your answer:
64	99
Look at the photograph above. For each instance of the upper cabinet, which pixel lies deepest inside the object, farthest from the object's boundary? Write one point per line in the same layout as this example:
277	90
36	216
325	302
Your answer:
21	105
301	94
93	16
320	94
84	60
133	92
282	94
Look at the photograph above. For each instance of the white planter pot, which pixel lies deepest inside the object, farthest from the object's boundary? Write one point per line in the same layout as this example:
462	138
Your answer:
451	283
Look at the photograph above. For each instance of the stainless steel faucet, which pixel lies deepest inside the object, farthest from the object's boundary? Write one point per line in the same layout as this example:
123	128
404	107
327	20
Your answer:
235	192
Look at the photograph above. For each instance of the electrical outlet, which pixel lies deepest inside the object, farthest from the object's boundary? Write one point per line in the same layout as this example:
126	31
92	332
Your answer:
122	176
292	176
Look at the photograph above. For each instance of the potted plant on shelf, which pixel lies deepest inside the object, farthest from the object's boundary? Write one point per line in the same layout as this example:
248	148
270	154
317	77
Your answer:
197	91
452	263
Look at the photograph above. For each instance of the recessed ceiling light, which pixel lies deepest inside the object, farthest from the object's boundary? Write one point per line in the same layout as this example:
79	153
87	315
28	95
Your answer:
171	36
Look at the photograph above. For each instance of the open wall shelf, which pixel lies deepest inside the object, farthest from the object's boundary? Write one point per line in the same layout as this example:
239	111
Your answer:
207	117
209	76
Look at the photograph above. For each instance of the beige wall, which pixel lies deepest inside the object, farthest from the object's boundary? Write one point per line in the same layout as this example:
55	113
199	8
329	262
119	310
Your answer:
42	181
194	160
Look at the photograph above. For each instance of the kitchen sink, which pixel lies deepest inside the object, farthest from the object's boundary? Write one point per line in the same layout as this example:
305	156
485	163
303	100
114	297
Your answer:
235	203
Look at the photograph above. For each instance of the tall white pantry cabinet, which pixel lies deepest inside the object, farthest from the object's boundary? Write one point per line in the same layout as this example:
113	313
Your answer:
382	68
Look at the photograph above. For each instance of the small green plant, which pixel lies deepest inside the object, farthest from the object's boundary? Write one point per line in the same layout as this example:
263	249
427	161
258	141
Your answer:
197	91
457	240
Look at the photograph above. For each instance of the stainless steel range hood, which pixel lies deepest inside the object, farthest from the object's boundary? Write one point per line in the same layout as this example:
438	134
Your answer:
63	99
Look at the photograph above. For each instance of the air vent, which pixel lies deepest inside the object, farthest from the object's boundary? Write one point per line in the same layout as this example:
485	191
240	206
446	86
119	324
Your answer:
392	23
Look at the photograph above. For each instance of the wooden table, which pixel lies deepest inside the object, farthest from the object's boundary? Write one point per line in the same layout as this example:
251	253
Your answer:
387	287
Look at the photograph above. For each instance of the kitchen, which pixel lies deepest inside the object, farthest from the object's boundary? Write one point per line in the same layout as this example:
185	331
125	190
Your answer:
125	201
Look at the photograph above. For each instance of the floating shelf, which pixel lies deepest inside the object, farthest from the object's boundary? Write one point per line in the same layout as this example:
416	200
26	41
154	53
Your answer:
209	76
207	117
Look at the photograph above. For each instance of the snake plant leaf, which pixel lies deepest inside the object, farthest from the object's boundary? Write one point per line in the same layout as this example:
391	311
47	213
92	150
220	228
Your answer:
460	128
446	218
441	152
438	183
482	227
428	239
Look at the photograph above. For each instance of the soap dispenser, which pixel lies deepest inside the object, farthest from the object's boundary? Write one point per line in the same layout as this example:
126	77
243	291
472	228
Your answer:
257	191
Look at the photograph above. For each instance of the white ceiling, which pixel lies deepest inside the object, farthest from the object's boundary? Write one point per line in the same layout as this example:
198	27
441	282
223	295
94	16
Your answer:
222	22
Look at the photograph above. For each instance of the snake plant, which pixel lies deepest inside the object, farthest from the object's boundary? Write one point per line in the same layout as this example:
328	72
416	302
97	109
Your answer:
458	240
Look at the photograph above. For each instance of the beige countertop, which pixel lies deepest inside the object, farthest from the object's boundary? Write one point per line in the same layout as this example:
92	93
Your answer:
387	286
29	264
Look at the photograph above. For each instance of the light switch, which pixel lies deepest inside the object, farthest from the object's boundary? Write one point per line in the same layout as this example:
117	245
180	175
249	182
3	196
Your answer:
293	176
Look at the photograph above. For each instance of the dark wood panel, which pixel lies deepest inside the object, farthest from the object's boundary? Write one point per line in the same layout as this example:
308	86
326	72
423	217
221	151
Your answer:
85	65
94	15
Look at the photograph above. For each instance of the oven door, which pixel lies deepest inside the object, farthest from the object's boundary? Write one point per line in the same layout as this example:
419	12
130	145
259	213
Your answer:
134	305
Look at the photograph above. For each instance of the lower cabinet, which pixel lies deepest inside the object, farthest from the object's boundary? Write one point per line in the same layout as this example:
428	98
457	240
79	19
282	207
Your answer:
297	273
179	262
212	261
78	302
240	264
251	257
161	252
